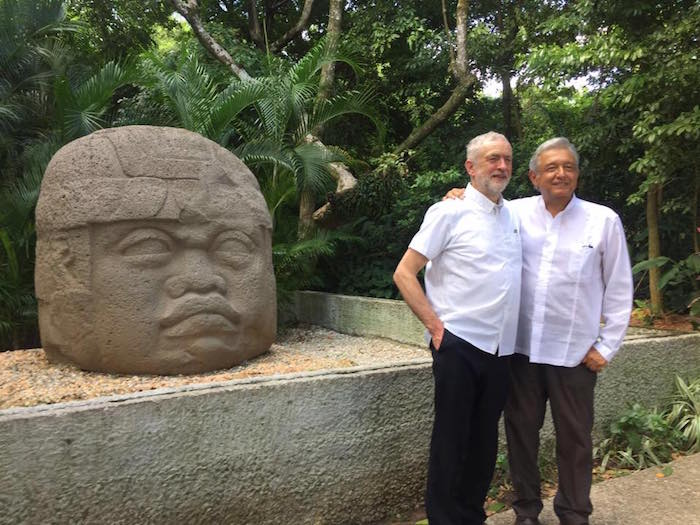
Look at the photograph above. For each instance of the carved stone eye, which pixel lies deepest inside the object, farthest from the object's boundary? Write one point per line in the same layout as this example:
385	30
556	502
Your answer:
146	246
234	248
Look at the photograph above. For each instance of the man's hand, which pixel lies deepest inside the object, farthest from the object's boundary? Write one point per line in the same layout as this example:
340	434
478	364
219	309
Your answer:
454	193
436	333
594	361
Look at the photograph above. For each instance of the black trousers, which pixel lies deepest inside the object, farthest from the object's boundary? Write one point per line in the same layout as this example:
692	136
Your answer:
570	394
470	391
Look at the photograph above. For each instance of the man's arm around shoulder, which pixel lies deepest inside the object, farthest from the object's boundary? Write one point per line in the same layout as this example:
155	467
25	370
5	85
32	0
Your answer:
406	279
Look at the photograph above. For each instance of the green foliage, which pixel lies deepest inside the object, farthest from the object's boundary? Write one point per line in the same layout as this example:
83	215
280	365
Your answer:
684	412
17	238
296	261
642	437
389	207
116	29
638	439
682	276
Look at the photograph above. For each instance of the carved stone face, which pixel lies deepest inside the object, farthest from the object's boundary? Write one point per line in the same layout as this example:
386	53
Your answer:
176	276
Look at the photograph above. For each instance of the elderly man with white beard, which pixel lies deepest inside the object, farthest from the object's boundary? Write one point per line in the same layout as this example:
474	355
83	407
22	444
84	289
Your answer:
472	254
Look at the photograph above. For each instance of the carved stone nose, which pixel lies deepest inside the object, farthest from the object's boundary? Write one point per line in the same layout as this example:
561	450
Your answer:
194	273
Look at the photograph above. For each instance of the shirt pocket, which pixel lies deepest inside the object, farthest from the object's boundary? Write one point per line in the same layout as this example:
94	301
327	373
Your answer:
582	261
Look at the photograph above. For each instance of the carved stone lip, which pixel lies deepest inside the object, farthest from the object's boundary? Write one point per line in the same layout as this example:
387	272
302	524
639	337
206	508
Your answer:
195	315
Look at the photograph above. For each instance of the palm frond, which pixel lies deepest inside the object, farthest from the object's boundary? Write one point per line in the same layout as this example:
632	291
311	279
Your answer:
352	103
266	152
227	105
312	168
320	55
97	91
278	189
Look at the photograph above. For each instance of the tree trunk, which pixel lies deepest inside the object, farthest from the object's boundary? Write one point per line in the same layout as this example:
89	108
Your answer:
256	34
189	9
517	122
696	229
458	96
507	105
652	213
335	20
307	204
460	70
296	30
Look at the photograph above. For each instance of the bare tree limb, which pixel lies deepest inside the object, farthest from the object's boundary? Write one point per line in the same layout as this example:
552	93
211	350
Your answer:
459	95
256	33
297	29
448	32
460	70
189	9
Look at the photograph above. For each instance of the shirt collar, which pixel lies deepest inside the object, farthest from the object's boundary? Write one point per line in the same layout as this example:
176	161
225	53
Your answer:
481	200
570	206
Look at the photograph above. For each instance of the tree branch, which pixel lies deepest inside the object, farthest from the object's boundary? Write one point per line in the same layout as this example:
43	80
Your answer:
335	19
465	80
459	67
459	95
294	31
256	34
448	32
189	9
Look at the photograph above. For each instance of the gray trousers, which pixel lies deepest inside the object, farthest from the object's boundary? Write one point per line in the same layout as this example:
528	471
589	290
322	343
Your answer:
570	394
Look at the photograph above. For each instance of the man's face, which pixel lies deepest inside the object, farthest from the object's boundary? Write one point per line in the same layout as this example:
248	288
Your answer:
180	298
557	174
492	169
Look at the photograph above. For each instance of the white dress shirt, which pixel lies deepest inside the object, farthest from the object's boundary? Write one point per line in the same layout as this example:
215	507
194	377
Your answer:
576	272
473	278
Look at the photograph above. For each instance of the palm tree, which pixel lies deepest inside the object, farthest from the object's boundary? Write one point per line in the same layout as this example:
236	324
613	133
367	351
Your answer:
47	98
268	121
29	45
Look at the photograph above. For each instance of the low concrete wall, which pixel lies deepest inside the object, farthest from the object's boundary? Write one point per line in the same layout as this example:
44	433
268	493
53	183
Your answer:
343	447
364	316
642	372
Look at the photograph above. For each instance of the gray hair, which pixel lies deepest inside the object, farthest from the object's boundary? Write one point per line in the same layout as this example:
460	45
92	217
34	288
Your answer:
555	143
478	142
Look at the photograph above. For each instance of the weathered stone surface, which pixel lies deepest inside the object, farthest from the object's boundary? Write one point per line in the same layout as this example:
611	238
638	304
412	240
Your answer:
153	255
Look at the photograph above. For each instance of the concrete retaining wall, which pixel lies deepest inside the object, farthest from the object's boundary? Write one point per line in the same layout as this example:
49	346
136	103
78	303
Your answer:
643	371
365	316
338	448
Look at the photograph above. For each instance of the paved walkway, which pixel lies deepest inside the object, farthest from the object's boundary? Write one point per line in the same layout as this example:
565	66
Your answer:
638	499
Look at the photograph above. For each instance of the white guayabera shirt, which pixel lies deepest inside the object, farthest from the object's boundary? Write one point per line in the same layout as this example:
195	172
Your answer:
473	278
576	272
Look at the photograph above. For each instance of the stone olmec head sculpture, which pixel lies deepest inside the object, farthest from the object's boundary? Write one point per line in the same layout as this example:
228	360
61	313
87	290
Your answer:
153	255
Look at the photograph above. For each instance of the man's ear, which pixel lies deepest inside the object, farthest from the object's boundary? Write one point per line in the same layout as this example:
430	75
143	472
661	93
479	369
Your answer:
469	166
533	178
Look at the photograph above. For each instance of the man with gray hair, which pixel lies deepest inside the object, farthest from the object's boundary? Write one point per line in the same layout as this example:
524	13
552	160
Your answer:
576	271
472	254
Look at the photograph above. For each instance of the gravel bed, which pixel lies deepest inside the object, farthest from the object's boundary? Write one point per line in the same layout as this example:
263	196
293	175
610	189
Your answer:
28	379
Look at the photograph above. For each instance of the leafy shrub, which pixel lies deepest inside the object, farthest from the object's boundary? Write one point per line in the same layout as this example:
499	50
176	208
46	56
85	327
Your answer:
684	412
387	208
641	437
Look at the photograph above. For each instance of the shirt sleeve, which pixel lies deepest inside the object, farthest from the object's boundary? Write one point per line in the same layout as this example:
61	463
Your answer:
617	295
434	233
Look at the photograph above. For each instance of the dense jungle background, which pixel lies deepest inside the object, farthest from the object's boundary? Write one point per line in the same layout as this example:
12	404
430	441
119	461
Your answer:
354	115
